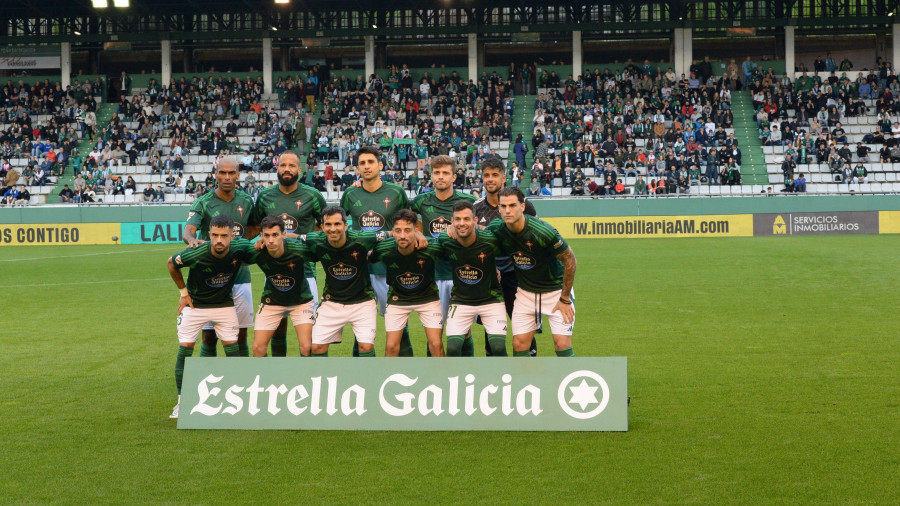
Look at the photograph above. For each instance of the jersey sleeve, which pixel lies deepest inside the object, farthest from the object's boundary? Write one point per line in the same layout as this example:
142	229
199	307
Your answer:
308	245
195	214
495	225
416	202
554	241
367	239
345	198
320	205
404	198
300	248
186	258
434	249
380	249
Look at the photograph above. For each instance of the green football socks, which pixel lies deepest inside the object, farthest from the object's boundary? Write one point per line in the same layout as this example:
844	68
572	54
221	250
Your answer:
232	350
406	347
370	353
498	345
279	345
523	353
454	346
207	350
565	353
183	352
468	346
320	354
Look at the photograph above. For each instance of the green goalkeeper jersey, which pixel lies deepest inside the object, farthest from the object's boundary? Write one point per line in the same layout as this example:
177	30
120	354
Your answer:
210	279
209	205
474	271
410	277
286	283
301	211
374	211
436	217
346	268
533	252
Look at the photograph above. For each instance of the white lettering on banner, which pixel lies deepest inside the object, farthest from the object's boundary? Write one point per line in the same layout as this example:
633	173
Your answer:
528	399
352	399
429	400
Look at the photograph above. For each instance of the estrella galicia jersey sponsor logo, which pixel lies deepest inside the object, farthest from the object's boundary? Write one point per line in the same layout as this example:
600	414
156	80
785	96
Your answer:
342	271
290	223
469	275
410	280
523	261
238	230
282	283
219	280
438	225
371	221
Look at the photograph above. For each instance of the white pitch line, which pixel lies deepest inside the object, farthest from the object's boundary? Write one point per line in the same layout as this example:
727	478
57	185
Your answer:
41	285
75	256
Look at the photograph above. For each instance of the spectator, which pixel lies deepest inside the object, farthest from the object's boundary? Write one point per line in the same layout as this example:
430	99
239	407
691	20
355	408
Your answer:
66	195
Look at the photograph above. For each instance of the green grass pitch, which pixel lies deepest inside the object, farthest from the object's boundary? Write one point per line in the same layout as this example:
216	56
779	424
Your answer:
760	370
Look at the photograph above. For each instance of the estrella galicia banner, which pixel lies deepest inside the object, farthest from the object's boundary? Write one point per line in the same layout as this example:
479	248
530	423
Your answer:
164	232
538	394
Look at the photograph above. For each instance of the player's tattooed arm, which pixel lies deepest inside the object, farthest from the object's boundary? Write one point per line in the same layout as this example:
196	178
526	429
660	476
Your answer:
567	258
190	236
564	305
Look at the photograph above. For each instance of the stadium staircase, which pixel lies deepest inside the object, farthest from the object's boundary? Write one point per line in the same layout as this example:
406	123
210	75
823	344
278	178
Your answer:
753	161
521	124
105	112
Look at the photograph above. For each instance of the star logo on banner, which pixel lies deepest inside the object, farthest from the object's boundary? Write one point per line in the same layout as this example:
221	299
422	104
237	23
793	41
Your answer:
578	399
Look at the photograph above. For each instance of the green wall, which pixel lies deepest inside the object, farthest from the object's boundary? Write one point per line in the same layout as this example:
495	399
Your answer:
548	208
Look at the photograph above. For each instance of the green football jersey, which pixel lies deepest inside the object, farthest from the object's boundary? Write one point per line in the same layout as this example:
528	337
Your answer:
346	268
286	283
209	205
436	217
301	210
210	278
410	277
533	252
374	211
474	271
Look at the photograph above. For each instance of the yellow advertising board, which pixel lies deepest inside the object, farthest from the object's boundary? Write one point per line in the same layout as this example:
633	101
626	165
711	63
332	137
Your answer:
889	222
617	227
40	234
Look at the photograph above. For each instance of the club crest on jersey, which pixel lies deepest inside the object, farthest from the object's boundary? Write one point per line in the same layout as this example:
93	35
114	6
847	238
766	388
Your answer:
421	263
355	255
387	202
523	261
290	223
529	244
469	275
291	266
299	203
438	225
219	280
240	209
282	283
342	271
482	256
410	280
371	221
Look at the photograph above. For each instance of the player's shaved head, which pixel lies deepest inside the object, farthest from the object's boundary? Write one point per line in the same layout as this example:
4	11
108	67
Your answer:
288	169
227	174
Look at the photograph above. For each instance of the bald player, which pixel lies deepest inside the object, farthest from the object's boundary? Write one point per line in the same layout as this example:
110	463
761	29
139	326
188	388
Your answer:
237	205
300	207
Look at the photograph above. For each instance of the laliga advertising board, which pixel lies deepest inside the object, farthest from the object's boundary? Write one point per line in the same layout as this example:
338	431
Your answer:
550	393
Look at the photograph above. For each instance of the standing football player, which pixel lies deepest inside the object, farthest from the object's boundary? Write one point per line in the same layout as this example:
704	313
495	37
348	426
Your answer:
476	286
287	292
300	206
237	205
410	275
206	298
371	208
436	209
545	266
493	172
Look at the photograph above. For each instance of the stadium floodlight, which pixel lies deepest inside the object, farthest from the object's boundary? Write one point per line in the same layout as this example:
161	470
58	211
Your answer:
101	4
76	32
282	1
120	3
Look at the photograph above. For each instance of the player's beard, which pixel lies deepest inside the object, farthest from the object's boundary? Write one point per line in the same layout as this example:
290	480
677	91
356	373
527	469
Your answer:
287	178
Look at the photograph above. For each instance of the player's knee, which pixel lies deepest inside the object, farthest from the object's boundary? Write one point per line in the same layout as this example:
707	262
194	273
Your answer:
392	349
454	346
498	345
259	350
366	347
